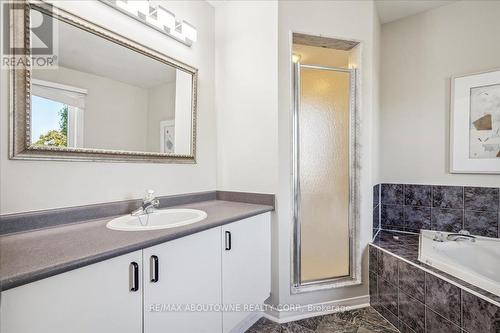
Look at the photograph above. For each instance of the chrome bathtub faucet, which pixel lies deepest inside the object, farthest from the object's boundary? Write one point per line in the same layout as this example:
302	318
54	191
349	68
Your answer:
149	204
438	237
461	235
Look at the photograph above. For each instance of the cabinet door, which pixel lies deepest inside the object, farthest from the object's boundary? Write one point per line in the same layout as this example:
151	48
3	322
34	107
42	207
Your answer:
189	274
95	298
246	266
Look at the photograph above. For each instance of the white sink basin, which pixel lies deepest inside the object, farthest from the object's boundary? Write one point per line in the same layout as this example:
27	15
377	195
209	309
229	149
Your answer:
160	219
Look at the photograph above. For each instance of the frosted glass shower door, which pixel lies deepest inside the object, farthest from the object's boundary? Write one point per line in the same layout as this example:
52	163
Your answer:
323	164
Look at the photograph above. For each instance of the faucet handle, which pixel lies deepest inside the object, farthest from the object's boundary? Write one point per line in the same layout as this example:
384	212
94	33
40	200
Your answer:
149	197
438	237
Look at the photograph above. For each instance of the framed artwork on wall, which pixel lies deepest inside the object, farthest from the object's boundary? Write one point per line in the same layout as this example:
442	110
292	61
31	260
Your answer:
475	123
167	136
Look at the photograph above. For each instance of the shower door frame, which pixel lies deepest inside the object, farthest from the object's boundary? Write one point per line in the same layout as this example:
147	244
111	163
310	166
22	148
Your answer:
354	276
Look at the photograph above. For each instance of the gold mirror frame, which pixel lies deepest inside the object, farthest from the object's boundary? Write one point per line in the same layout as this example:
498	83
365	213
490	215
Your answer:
20	147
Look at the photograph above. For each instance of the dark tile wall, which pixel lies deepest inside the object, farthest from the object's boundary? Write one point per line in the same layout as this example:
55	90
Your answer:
376	209
409	207
419	302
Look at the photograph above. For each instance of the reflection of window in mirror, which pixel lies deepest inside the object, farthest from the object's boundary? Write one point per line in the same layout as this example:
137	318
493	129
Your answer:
57	114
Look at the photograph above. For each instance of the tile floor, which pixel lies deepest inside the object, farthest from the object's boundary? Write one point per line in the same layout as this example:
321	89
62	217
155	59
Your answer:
365	320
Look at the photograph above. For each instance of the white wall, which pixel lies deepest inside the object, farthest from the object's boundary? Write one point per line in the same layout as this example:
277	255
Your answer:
247	95
352	20
35	185
161	107
254	135
376	77
419	55
183	115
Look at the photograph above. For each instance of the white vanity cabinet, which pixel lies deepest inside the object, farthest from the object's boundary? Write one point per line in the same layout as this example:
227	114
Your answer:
246	267
182	273
149	291
95	298
228	266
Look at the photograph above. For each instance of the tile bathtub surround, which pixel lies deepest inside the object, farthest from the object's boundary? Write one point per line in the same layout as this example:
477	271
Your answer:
421	302
481	223
411	207
478	313
417	195
391	217
443	298
412	279
417	218
391	194
481	198
405	246
411	312
451	197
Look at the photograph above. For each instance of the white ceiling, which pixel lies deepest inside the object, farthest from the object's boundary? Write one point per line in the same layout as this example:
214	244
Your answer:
86	52
388	10
392	10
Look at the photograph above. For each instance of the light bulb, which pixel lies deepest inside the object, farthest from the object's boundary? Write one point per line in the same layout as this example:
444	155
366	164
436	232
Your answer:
140	6
166	18
296	58
189	31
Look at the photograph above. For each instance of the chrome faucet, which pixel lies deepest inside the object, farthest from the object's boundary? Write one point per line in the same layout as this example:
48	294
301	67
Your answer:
461	235
438	237
149	204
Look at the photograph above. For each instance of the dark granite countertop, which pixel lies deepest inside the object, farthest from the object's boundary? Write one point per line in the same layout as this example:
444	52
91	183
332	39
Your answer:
30	256
405	245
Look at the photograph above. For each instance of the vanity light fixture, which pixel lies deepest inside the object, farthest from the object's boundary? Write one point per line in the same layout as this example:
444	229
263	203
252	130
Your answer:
157	17
296	58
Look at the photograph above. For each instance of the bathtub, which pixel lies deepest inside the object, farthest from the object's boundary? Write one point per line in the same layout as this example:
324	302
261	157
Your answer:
477	263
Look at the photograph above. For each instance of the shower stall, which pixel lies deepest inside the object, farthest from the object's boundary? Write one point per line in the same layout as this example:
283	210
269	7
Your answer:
324	170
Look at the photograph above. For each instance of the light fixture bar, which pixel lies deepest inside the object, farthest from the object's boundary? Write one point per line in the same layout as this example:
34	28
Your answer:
158	18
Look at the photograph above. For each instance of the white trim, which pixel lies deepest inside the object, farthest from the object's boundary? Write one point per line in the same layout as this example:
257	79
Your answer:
440	276
59	86
399	231
75	127
246	323
281	316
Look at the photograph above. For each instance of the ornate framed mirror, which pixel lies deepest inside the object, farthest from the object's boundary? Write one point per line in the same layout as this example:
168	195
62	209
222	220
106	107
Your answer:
81	92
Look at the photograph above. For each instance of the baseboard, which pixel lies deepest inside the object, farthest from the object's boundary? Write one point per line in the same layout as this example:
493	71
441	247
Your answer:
246	323
281	316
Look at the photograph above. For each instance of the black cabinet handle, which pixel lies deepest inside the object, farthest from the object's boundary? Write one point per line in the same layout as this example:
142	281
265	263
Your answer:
228	240
153	268
134	276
